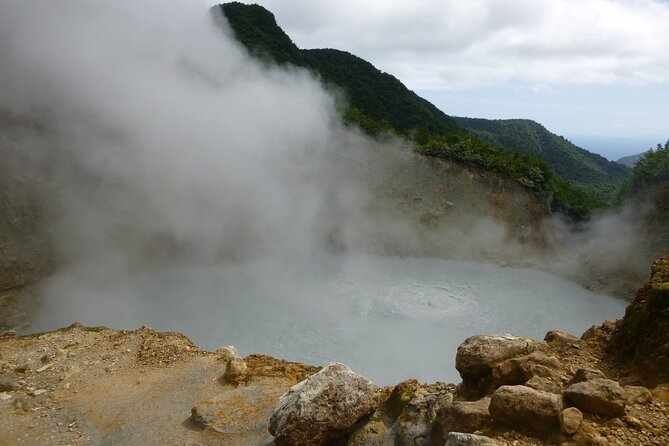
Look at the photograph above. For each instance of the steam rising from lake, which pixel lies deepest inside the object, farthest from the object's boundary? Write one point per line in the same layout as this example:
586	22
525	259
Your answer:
386	317
193	188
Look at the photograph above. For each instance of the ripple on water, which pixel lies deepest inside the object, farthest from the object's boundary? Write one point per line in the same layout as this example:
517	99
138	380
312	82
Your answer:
389	318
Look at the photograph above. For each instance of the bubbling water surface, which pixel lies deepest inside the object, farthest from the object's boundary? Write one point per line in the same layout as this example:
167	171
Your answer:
388	318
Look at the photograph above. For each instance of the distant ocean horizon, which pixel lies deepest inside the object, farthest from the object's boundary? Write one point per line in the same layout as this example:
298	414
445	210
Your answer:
614	148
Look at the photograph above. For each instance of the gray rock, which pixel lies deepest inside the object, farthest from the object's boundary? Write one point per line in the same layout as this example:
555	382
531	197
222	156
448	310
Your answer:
477	356
324	407
518	370
585	375
464	439
523	406
544	384
570	420
460	416
637	395
414	423
8	382
597	396
561	337
372	433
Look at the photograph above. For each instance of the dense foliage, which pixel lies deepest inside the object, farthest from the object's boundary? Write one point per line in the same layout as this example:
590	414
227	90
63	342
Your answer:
586	169
379	103
378	95
533	172
574	201
256	28
652	168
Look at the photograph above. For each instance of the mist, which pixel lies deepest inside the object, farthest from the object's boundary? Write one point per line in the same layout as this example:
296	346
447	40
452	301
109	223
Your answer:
167	129
162	139
180	176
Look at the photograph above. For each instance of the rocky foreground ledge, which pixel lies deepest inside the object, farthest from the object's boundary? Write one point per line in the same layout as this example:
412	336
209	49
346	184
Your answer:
84	385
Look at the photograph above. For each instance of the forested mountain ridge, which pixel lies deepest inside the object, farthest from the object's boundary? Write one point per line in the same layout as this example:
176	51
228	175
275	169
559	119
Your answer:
379	96
569	161
650	169
378	102
629	160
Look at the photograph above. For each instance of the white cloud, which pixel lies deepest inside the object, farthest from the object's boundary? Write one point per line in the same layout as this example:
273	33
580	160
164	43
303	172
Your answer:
450	44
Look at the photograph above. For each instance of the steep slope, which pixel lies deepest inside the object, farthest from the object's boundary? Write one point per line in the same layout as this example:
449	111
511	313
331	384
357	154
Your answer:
643	336
647	193
256	28
569	161
378	102
379	96
629	160
25	248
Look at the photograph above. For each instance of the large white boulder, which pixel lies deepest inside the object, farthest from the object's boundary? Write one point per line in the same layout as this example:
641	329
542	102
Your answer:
325	406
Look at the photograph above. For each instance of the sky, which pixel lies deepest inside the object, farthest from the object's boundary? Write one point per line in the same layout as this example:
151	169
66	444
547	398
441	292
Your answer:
595	71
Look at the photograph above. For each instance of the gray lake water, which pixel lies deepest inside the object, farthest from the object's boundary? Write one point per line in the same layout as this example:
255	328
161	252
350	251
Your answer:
388	318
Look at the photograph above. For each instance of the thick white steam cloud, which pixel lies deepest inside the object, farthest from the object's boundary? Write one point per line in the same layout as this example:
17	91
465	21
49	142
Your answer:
159	138
182	137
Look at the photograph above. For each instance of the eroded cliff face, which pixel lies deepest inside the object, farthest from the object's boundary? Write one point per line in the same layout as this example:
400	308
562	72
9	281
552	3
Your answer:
25	249
643	337
420	205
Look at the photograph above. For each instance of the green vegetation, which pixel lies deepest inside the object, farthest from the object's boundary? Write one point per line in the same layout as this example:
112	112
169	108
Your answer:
256	28
574	181
589	170
378	95
574	201
651	168
531	171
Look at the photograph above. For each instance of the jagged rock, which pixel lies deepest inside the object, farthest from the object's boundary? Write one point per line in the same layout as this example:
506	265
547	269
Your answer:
555	336
464	439
227	352
544	384
643	337
570	420
323	407
477	356
659	277
419	405
235	370
372	433
637	395
597	396
8	382
518	370
523	406
460	416
590	333
585	374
